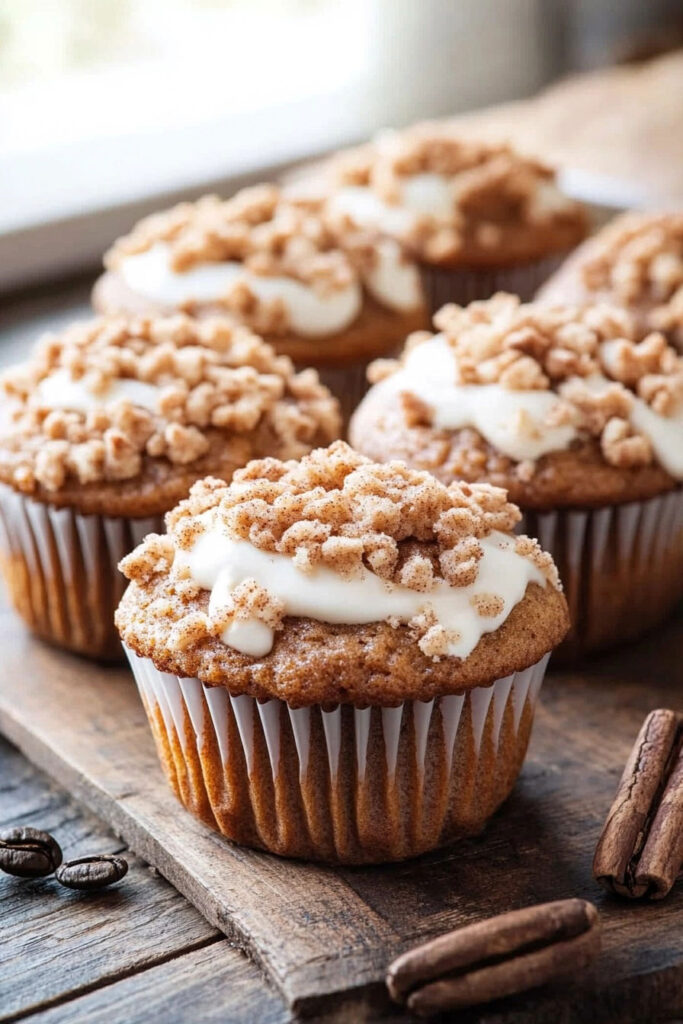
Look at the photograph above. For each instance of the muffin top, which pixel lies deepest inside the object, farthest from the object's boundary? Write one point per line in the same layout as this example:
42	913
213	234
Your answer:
452	200
559	404
269	260
336	579
635	262
119	416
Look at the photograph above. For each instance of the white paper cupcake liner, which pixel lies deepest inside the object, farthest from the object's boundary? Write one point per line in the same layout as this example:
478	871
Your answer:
60	569
621	566
464	285
348	784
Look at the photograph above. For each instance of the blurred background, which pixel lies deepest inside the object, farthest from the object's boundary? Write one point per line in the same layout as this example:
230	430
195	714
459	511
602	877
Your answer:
110	108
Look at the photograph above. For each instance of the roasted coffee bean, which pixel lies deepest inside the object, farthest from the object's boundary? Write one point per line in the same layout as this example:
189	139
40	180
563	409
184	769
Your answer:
89	873
28	852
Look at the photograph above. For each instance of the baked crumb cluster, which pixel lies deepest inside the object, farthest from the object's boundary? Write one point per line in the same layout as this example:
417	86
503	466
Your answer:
496	186
210	376
640	263
337	509
532	347
269	234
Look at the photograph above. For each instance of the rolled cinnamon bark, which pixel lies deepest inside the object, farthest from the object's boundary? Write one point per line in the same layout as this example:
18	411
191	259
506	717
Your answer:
640	851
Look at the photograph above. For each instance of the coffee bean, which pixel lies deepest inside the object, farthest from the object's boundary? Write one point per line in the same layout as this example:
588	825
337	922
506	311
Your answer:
28	852
88	873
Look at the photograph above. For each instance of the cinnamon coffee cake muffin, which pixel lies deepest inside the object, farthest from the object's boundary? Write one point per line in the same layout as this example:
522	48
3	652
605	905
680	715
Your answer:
635	262
582	425
270	261
110	423
340	659
477	217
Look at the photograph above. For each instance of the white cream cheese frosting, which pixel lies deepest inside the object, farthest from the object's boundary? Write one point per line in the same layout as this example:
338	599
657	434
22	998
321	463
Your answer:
310	312
393	279
665	434
516	422
60	390
219	563
428	195
511	421
422	195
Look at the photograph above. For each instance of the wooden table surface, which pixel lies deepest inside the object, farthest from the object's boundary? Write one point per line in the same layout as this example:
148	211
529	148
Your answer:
137	953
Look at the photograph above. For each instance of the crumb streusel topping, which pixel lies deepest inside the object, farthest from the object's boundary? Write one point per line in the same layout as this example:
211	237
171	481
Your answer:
268	258
488	188
639	262
269	233
606	384
98	398
385	527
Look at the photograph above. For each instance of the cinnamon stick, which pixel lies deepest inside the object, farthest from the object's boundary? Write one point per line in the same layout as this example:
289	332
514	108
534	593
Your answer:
640	851
504	955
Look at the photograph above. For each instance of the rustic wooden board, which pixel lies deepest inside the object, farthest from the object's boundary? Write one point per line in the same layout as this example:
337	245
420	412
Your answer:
325	936
136	953
55	944
214	985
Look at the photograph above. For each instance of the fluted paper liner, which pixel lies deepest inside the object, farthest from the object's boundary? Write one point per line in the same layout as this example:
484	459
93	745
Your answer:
463	285
351	785
621	566
60	569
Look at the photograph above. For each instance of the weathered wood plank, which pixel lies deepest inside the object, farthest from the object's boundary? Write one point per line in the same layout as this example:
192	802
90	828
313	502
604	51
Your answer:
321	933
104	754
56	942
216	984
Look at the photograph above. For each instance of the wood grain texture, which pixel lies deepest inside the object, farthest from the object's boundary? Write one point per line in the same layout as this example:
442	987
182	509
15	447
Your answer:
326	935
55	942
212	986
57	945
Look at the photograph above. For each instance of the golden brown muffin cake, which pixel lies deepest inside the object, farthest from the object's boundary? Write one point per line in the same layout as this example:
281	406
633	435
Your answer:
110	423
576	419
635	262
270	261
476	216
339	659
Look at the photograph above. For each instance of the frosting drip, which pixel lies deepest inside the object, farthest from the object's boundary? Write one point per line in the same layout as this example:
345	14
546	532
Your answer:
309	312
219	563
516	421
394	280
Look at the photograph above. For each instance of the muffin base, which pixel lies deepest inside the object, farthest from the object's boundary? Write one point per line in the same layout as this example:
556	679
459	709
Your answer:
463	285
60	570
621	566
345	785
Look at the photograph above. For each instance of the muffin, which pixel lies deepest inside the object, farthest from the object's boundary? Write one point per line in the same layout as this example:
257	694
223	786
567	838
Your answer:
475	216
340	659
635	262
583	426
269	261
108	425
